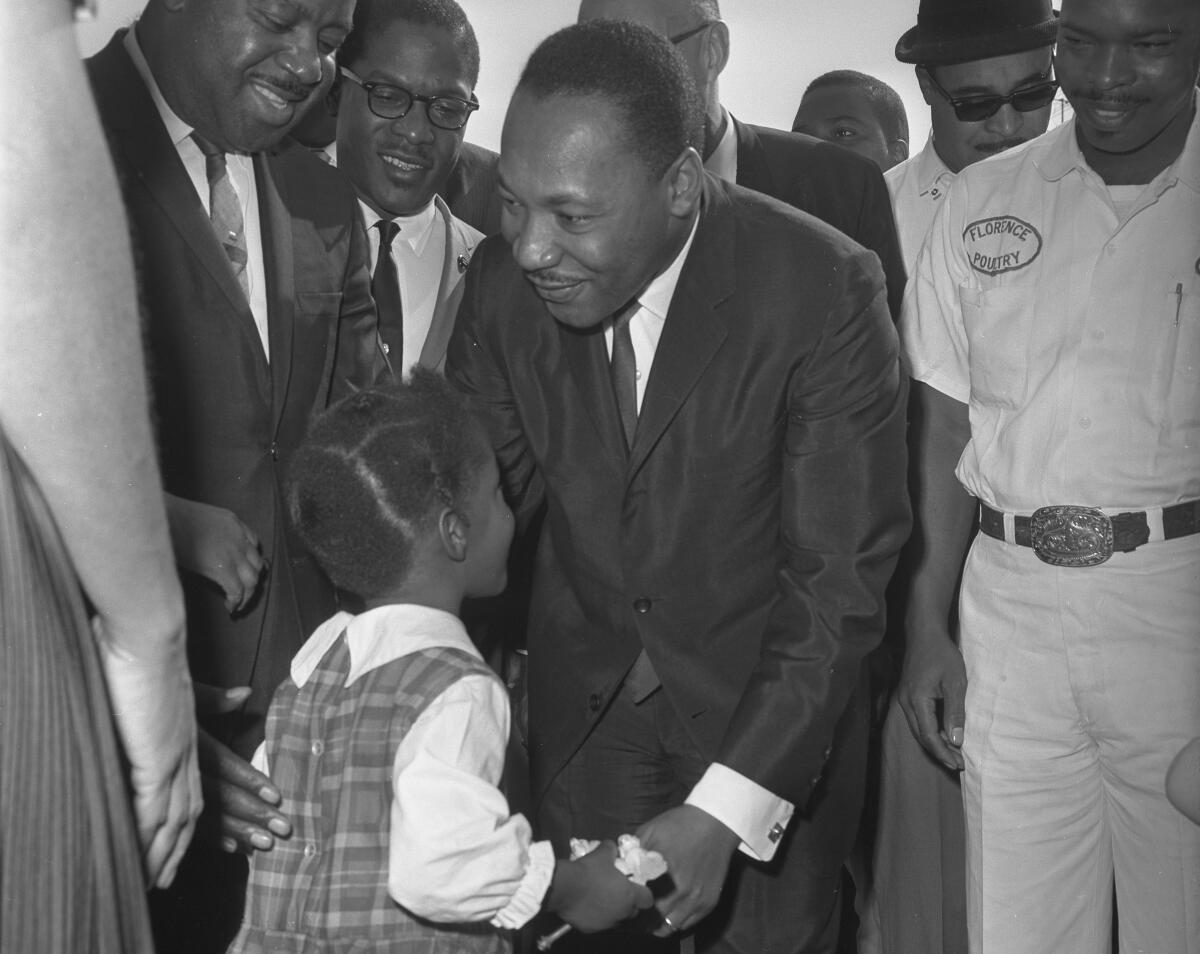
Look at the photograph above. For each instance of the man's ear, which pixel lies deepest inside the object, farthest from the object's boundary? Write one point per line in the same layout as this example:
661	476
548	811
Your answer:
716	49
928	93
452	531
685	180
897	150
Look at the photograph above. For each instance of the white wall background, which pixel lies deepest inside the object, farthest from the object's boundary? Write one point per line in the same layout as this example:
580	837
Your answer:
778	46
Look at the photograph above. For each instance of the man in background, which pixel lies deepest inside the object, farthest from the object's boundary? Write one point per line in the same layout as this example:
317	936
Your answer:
1053	333
858	112
844	191
994	58
408	88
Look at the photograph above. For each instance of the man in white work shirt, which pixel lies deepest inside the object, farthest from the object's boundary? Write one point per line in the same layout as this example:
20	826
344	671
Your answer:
1053	331
995	61
408	78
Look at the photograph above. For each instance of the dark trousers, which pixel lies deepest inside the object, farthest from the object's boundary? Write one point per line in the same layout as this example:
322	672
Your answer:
640	761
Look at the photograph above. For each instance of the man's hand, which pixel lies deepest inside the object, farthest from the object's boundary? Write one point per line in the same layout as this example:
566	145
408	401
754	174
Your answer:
698	849
591	895
240	803
214	543
152	706
933	670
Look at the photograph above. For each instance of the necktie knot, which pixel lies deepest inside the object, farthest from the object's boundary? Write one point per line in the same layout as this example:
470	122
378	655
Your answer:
388	230
208	147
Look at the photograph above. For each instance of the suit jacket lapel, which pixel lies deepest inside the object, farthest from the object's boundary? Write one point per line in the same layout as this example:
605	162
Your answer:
129	110
450	290
275	225
753	171
695	328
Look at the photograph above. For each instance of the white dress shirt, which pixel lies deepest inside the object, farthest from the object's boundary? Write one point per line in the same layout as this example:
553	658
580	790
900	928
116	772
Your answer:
419	253
758	817
456	854
241	175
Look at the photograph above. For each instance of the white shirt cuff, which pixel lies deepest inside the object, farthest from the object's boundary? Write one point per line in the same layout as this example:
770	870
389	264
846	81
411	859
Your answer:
758	817
527	900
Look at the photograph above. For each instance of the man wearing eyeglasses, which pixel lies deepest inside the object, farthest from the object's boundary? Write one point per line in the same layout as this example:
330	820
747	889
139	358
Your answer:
1052	329
984	69
846	191
408	78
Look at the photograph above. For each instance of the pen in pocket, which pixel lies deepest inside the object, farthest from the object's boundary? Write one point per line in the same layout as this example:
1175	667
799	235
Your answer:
1178	301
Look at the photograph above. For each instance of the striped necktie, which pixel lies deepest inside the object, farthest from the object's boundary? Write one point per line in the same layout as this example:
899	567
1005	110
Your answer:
225	211
622	371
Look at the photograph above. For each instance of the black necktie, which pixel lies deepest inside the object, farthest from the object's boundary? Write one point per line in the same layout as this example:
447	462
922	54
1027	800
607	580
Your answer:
385	289
622	370
224	210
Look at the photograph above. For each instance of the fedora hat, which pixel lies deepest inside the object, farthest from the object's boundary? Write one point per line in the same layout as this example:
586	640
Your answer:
958	31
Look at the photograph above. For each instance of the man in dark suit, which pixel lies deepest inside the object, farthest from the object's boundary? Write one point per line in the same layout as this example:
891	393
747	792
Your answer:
700	385
847	192
258	312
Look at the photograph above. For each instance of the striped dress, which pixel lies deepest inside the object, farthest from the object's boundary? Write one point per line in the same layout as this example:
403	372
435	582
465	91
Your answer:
71	878
330	748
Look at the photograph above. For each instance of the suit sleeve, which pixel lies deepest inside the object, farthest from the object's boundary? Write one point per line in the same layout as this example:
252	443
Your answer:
358	363
474	365
845	515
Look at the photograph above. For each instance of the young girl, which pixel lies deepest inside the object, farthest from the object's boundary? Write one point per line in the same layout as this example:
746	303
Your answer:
387	741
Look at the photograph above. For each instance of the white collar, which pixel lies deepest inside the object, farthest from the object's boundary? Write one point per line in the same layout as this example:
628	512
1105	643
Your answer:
723	161
176	128
658	294
381	635
415	229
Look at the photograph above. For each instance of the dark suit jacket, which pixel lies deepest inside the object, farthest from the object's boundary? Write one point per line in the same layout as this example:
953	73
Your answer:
470	190
746	539
834	184
226	418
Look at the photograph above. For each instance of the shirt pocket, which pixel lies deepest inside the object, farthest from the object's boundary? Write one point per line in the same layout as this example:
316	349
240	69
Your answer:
999	324
1180	374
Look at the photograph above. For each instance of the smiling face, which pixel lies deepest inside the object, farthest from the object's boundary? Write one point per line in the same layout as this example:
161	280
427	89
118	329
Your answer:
962	143
845	116
242	72
1129	69
398	164
589	223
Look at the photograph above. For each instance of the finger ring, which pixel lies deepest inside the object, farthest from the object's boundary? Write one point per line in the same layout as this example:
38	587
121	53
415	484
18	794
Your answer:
667	922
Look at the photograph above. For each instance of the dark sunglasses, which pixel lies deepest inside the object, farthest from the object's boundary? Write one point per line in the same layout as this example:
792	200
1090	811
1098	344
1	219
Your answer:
974	109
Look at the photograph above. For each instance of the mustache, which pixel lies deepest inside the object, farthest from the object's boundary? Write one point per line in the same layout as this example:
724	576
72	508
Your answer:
288	87
1096	97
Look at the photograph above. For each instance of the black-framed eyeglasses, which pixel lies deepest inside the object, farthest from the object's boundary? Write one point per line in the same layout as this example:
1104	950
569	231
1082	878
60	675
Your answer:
974	109
688	34
393	102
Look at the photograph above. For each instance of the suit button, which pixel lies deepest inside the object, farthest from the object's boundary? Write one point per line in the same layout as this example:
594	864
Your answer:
641	605
594	701
274	451
318	748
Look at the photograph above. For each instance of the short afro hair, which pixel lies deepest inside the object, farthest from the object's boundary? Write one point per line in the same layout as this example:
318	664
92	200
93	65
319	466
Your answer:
633	68
889	108
372	16
374	473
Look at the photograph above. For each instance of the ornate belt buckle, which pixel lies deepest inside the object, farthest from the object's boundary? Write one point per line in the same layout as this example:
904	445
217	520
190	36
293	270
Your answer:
1071	536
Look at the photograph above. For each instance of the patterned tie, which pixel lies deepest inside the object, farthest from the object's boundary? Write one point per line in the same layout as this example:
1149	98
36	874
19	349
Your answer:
385	289
622	370
225	210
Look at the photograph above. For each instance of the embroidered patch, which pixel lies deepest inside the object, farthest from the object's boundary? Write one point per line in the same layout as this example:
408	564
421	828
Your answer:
1002	243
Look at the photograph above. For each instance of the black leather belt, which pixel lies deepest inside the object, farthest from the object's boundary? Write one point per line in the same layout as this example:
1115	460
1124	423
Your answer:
1084	536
